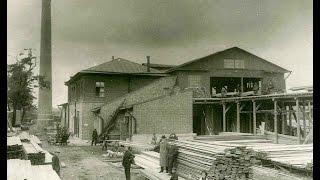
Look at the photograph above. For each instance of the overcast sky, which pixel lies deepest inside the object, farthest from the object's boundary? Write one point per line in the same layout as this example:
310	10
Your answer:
86	33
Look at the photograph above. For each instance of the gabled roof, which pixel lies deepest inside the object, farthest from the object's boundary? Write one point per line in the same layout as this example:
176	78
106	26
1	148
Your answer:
121	65
118	66
180	67
152	65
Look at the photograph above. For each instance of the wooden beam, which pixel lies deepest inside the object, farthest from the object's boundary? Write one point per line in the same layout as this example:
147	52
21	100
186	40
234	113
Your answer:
254	117
304	120
310	114
298	121
259	105
228	108
241	84
284	123
224	125
290	121
275	121
238	117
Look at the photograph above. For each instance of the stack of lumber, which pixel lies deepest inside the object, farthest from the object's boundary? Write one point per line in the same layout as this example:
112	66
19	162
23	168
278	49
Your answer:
220	161
34	153
137	146
22	169
14	148
26	137
149	161
286	155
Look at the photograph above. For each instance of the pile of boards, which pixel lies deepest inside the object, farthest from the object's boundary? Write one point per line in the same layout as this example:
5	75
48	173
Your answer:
291	156
26	146
137	146
220	162
149	161
18	169
34	153
14	148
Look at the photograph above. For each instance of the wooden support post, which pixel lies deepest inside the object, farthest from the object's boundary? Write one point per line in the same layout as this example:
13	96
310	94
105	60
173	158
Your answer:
283	119
238	117
298	121
310	115
290	121
254	117
304	120
241	85
275	121
224	122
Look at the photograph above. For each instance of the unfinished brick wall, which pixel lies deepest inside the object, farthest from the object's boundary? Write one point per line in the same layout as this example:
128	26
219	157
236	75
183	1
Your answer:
171	114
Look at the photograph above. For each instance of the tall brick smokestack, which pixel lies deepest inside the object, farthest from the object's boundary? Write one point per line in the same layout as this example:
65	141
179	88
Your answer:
45	94
148	63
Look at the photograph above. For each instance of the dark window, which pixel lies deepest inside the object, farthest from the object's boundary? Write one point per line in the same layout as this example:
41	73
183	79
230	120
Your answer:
234	64
100	89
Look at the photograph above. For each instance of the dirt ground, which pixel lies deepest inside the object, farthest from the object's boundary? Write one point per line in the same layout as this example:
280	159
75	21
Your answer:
87	163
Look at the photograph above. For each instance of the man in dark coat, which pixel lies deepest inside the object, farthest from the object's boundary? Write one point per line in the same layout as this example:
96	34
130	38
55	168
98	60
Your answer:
94	137
128	159
163	154
172	151
104	144
55	163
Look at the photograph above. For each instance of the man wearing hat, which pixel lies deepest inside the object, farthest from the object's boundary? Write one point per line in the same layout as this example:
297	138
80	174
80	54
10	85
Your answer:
172	152
163	154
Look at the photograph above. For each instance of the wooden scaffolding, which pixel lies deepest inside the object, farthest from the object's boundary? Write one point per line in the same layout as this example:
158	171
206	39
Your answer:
282	108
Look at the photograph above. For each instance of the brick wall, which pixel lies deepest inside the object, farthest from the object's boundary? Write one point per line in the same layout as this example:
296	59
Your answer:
171	114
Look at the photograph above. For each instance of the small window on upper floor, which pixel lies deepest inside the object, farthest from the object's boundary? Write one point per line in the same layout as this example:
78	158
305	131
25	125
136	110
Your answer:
194	80
234	64
100	89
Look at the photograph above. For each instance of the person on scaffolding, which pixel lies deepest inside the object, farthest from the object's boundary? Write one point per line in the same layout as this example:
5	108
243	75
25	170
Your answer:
224	91
163	154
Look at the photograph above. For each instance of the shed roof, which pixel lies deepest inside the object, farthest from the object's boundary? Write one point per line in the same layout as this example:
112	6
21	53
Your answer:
180	67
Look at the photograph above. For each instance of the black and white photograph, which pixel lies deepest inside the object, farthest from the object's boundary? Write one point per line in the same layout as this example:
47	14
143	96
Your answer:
159	90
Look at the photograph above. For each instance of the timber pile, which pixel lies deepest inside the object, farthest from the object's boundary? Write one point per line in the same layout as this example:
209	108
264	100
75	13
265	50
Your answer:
149	161
290	156
22	169
34	153
137	146
26	137
14	148
221	162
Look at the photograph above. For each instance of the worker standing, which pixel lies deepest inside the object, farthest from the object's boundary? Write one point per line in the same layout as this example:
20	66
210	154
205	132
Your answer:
105	143
172	152
94	137
163	154
55	163
128	159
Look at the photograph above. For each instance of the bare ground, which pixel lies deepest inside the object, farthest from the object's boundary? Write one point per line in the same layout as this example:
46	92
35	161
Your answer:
87	163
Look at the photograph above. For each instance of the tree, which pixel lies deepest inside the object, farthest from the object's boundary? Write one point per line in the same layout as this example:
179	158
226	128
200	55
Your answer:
21	82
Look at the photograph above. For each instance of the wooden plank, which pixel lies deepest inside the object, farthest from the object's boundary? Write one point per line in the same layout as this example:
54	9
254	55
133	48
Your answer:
304	120
224	122
290	121
298	121
275	122
254	118
238	117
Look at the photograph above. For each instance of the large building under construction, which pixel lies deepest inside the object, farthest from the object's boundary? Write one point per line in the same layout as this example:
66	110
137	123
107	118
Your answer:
125	99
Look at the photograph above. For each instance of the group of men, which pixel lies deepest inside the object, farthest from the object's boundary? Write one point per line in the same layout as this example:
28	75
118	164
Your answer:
168	155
